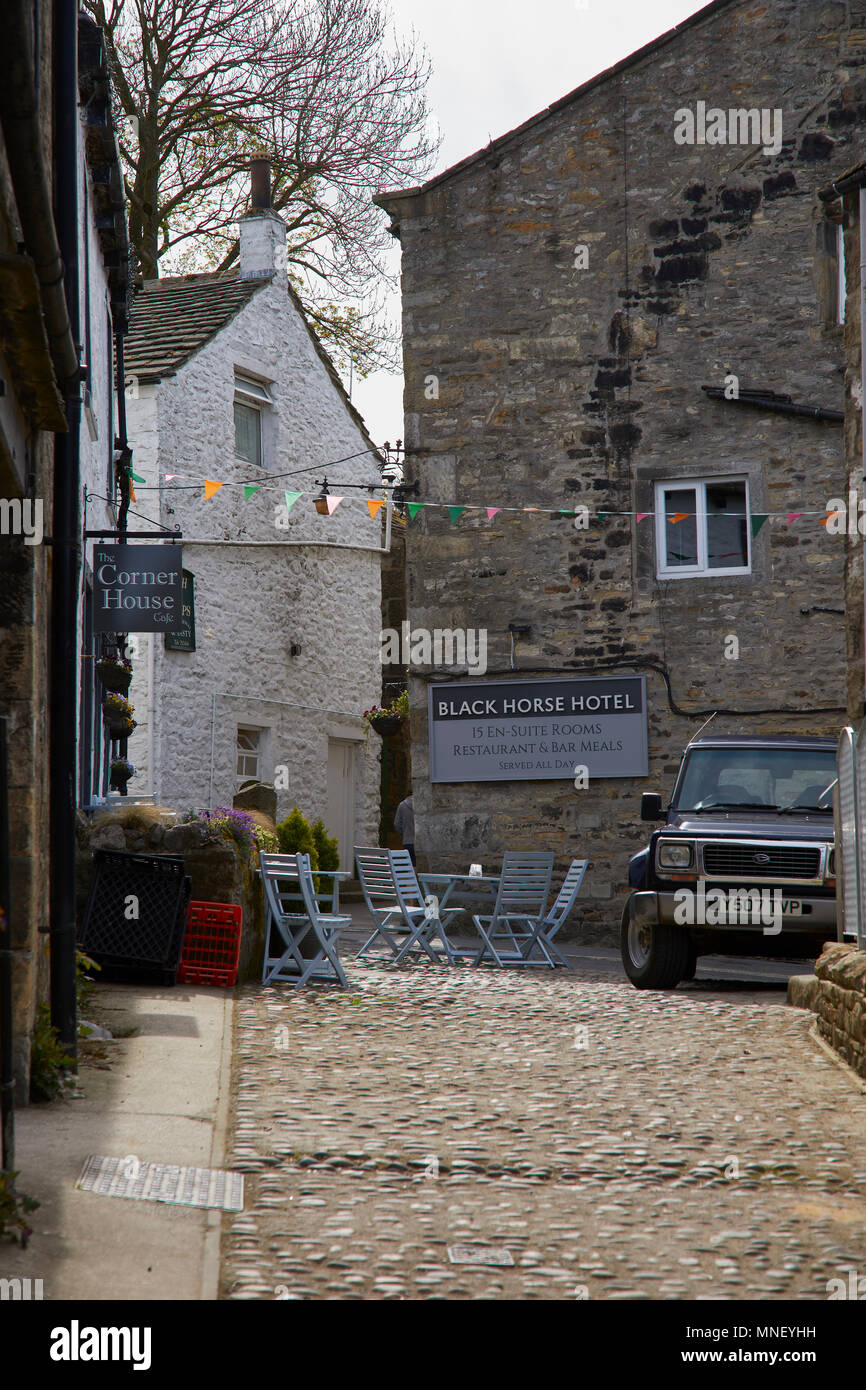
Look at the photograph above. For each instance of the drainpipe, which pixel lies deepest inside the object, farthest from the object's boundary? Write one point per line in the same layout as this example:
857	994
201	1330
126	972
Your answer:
66	557
862	236
7	1068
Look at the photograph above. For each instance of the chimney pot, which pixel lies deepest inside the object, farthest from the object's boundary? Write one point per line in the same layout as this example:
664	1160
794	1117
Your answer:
260	180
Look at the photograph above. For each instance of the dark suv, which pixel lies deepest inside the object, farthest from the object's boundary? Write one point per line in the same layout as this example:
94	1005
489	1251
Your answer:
744	863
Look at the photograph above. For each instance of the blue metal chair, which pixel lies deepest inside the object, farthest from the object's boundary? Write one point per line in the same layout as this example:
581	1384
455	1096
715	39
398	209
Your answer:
546	927
297	927
422	930
520	902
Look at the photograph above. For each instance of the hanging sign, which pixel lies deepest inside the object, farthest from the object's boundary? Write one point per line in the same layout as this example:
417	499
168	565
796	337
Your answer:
184	639
538	730
137	588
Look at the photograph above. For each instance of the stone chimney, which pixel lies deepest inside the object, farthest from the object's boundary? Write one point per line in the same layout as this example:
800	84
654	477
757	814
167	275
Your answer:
263	231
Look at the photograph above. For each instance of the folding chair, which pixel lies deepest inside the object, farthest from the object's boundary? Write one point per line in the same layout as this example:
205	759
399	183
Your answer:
398	909
295	920
521	900
546	927
424	929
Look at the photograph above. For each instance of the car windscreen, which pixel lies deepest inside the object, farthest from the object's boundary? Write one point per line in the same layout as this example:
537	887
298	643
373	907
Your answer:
781	779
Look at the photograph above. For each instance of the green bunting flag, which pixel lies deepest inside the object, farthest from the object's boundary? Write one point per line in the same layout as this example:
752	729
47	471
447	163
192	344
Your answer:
291	499
249	489
135	478
455	513
413	509
757	522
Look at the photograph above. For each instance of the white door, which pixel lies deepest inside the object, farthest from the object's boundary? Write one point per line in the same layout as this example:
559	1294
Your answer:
340	815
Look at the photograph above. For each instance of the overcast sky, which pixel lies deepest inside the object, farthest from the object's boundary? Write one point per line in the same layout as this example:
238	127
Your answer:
495	64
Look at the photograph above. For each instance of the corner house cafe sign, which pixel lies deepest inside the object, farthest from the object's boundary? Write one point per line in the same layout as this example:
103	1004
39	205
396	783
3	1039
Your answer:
538	730
137	588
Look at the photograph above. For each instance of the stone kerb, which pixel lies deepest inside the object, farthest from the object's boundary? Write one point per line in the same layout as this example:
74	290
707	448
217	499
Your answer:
836	993
217	868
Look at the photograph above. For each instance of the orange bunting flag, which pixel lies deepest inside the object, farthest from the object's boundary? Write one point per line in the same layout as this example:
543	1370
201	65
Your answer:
210	488
374	506
678	517
825	520
131	492
333	504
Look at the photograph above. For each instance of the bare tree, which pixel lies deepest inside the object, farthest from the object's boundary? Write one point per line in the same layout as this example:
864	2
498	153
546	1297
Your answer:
324	85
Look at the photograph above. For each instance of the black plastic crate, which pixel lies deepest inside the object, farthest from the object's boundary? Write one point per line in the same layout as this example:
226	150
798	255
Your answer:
150	944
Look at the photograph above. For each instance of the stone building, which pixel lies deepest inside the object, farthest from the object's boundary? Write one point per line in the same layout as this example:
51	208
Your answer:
632	304
227	383
63	284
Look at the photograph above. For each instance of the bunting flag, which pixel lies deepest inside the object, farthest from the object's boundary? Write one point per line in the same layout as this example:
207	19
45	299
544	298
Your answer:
249	489
414	508
640	515
491	512
135	478
792	516
678	517
210	488
168	476
832	516
374	506
291	499
132	493
532	509
757	522
455	513
333	504
603	516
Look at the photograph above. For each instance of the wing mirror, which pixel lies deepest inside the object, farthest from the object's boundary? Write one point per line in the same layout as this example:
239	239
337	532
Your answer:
651	807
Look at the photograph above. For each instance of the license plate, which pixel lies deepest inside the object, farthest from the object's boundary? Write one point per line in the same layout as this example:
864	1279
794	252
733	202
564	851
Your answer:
792	907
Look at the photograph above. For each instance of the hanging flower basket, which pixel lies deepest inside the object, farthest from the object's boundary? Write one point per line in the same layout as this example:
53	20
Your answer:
387	721
115	673
117	713
121	771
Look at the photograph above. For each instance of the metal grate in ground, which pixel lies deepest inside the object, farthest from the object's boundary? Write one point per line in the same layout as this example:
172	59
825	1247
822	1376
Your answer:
162	1182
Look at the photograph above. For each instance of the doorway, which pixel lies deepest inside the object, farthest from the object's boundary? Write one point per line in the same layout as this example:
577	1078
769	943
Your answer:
340	815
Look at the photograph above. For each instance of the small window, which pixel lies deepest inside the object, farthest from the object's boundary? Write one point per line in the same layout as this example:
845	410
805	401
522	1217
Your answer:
702	527
249	750
251	400
842	288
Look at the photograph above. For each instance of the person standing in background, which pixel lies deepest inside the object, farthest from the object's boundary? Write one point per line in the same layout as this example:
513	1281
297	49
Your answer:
404	824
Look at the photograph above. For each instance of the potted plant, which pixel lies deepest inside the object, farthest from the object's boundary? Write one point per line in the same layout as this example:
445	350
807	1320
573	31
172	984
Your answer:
121	771
115	673
386	720
117	713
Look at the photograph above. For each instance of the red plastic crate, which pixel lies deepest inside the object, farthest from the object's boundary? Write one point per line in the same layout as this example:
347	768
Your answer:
211	944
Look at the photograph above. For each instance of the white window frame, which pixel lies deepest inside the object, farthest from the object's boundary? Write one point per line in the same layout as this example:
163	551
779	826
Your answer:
255	396
841	284
699	486
246	753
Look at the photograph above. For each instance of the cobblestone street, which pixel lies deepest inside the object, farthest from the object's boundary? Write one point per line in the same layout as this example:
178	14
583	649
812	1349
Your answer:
618	1144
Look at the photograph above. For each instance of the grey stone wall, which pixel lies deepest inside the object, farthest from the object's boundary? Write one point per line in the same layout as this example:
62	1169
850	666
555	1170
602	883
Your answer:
837	994
560	386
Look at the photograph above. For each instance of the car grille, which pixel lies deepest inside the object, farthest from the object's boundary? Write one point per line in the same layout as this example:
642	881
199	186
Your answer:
739	861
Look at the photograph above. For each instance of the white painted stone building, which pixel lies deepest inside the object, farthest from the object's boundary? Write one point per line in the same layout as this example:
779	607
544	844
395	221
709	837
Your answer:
226	383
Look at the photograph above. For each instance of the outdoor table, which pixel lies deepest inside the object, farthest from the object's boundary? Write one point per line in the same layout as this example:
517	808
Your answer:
486	884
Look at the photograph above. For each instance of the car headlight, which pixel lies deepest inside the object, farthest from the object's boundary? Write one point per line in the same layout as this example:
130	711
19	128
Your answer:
675	854
831	864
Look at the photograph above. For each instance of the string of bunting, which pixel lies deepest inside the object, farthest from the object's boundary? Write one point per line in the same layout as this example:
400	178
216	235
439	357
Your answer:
212	486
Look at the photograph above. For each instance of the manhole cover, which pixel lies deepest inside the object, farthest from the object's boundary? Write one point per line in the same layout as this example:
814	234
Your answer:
479	1255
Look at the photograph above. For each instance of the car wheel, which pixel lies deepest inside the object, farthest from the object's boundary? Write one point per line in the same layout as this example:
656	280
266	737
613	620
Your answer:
654	956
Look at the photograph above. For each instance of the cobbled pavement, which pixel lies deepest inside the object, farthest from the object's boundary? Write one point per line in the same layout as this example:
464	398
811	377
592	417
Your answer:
616	1143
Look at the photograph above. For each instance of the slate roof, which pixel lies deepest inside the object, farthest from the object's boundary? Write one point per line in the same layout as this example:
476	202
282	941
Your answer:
173	318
